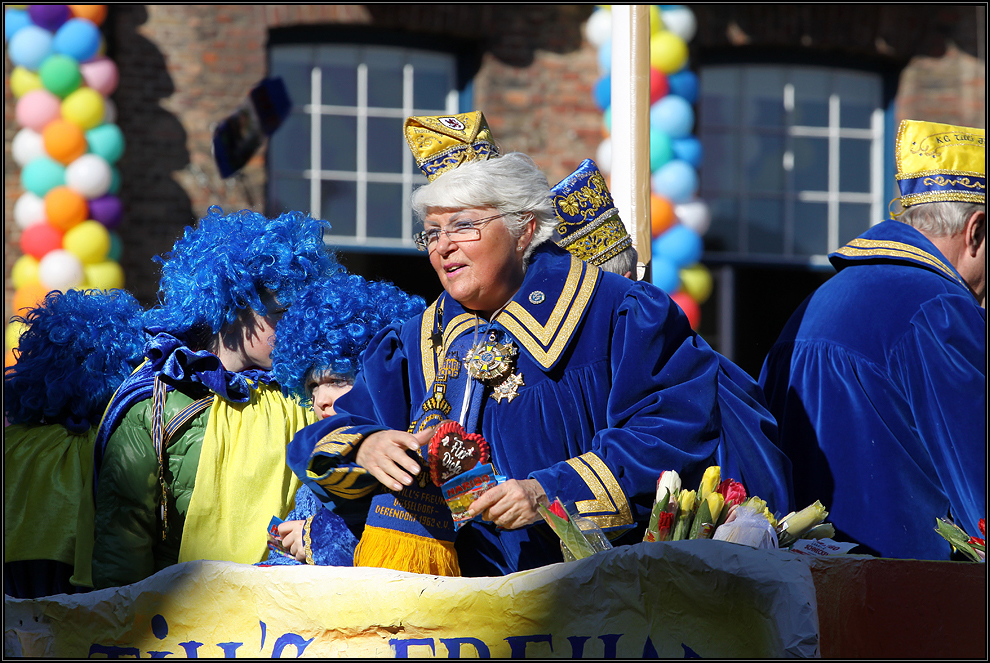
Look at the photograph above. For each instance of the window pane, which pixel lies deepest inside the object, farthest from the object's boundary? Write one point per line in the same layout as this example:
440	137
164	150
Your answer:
286	193
811	89
384	77
765	226
339	140
719	95
854	220
339	206
723	233
854	165
763	168
386	146
433	78
859	95
339	67
810	229
384	210
763	104
718	174
294	64
810	164
291	149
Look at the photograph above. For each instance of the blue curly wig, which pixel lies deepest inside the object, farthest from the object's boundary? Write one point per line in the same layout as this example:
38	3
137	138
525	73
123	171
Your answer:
223	267
76	350
331	323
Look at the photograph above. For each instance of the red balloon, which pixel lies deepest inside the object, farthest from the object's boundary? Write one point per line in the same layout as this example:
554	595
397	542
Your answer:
39	239
659	87
689	306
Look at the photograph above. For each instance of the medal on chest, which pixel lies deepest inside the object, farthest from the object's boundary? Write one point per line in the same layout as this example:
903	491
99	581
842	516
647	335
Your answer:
491	362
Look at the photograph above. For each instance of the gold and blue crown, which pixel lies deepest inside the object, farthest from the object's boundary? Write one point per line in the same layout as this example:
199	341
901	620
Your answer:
442	142
940	162
588	224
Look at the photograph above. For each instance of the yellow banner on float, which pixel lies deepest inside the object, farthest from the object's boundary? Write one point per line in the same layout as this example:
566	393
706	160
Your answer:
671	600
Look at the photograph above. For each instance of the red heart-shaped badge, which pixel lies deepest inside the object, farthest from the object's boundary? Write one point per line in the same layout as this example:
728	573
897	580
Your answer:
453	450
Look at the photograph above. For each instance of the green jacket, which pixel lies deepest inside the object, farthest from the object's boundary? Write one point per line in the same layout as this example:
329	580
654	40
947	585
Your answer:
128	544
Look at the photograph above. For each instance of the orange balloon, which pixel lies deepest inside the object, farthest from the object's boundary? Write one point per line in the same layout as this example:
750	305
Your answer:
661	215
64	141
29	296
96	13
65	208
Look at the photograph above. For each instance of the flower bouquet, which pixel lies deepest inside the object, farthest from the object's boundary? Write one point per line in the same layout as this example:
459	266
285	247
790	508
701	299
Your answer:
973	547
579	536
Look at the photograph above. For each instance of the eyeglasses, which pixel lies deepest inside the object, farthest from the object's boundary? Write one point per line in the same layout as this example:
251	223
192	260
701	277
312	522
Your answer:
461	231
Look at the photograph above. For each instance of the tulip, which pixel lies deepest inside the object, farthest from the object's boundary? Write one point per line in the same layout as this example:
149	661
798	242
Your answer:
659	508
685	514
794	525
709	481
732	491
670	480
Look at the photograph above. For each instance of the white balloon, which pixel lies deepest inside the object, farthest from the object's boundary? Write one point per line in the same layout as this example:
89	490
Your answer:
680	20
60	270
29	210
89	175
603	157
694	215
109	111
598	29
27	146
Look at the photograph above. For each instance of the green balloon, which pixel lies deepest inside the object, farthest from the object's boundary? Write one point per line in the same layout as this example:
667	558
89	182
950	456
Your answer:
107	141
41	175
60	75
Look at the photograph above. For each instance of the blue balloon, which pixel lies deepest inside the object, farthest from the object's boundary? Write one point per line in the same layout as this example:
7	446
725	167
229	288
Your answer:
674	115
41	175
665	274
30	46
688	149
676	181
603	92
680	245
661	150
14	20
684	84
605	57
78	38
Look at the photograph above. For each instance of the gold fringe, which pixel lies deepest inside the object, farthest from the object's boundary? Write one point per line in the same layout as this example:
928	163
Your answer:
401	551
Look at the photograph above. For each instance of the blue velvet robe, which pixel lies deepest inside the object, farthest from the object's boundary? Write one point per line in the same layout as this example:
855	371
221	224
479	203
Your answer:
617	388
878	384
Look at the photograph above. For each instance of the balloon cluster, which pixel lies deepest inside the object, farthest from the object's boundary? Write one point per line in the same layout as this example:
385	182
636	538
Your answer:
67	149
678	217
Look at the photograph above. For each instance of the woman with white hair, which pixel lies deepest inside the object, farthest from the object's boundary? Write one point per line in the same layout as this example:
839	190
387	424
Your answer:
584	385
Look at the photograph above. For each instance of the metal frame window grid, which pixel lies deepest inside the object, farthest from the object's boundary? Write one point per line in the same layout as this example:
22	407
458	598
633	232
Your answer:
832	196
410	174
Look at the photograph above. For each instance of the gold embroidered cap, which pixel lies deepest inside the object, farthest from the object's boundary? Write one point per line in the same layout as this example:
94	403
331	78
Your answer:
442	142
940	162
588	224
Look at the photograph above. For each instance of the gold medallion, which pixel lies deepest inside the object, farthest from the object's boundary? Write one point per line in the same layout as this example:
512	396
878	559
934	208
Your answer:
491	361
507	388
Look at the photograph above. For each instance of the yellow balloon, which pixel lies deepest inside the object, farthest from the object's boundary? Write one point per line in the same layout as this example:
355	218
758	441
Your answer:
84	108
89	241
696	281
105	275
668	52
13	334
23	81
24	271
656	20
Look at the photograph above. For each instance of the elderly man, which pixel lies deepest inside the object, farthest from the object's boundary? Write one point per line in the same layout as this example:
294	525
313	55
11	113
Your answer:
878	381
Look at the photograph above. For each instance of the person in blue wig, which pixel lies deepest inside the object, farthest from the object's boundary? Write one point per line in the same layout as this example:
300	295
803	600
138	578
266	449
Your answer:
75	349
190	455
589	227
316	357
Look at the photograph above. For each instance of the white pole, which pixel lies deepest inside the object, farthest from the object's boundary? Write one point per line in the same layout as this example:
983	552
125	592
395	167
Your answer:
630	184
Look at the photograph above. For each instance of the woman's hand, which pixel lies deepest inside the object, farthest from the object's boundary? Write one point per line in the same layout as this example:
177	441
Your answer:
291	535
510	505
384	454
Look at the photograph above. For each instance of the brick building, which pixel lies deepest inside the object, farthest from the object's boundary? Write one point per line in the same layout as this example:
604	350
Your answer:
183	68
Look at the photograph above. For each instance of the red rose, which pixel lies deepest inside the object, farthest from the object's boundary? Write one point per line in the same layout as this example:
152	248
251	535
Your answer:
557	509
732	491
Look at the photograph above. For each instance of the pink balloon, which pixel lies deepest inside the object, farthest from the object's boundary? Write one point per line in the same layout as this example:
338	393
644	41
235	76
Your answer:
100	74
37	108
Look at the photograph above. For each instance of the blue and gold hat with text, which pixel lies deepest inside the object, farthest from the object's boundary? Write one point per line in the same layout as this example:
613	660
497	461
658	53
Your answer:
588	224
940	163
442	142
